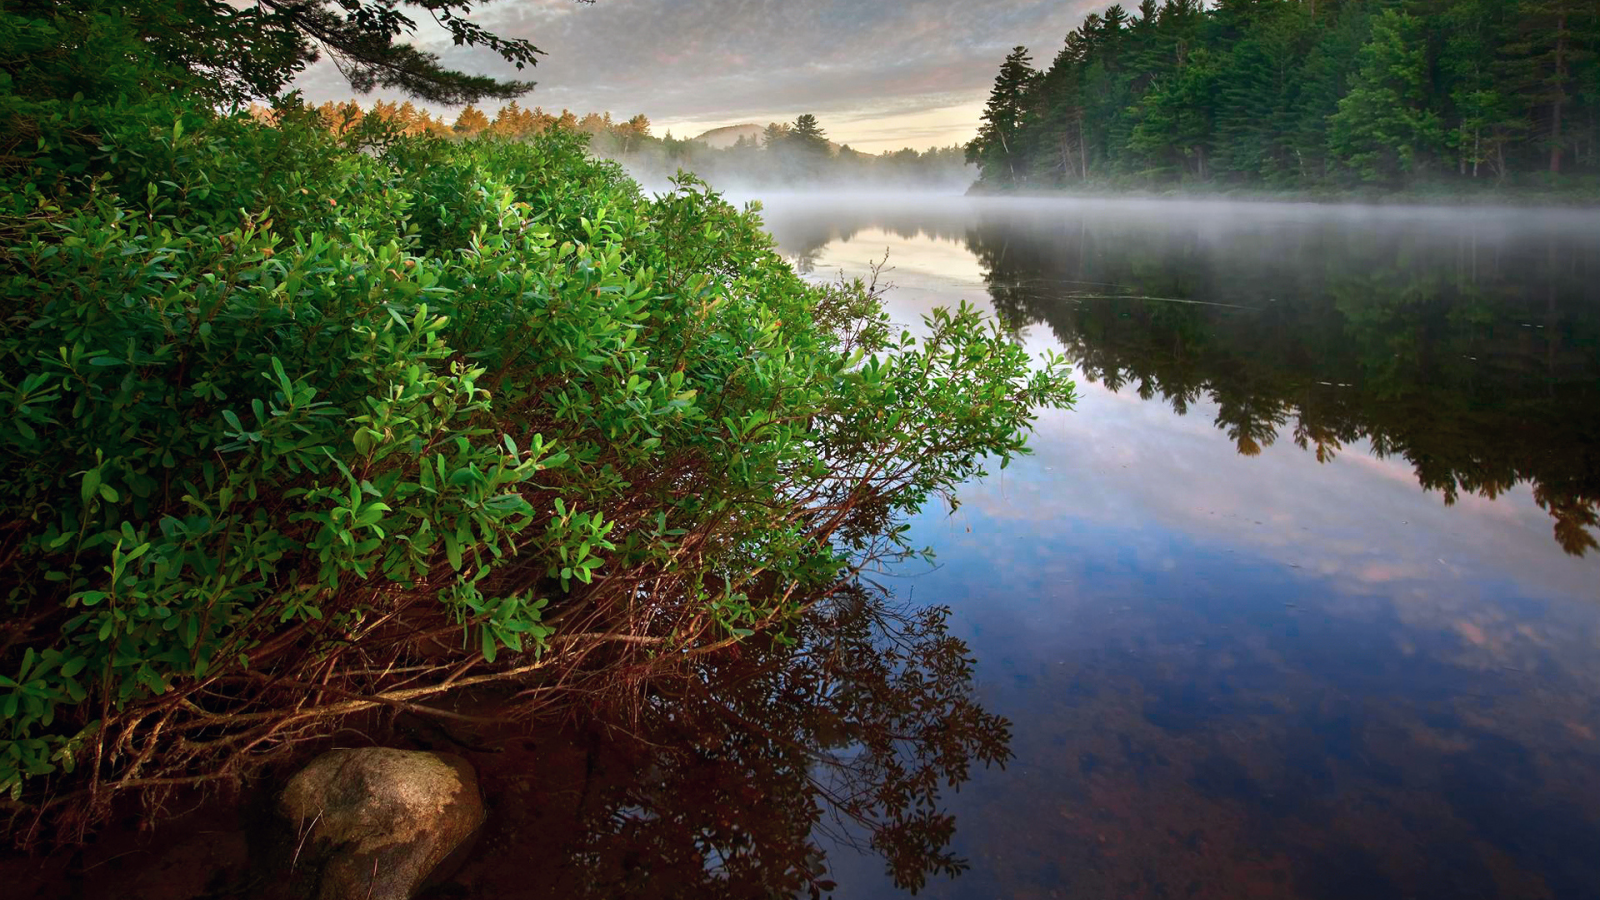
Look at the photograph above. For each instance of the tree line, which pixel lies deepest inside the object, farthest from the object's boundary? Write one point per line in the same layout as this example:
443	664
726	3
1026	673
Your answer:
511	120
1303	93
799	153
785	153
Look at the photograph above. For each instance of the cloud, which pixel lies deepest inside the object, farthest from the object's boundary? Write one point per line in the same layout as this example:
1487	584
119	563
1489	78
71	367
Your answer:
693	64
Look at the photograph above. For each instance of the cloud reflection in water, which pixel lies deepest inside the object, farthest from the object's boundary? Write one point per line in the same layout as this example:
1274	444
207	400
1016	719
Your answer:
1236	670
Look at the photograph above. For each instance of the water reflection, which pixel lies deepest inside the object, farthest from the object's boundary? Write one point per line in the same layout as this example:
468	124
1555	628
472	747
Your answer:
1465	342
1248	650
748	777
739	780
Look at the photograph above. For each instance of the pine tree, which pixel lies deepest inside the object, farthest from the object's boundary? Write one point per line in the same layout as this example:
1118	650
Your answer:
993	148
1296	92
1539	63
773	137
340	117
512	121
471	121
1113	31
1175	119
1322	82
1145	56
1259	85
410	119
1383	130
1480	117
634	132
384	111
1059	145
807	136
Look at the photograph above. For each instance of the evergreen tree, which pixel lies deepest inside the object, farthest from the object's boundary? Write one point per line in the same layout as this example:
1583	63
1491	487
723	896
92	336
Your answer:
1291	93
1145	53
1059	140
1383	128
994	148
410	119
340	117
1323	81
807	136
1259	85
1540	62
512	121
1481	121
774	136
1113	30
471	121
1175	119
634	131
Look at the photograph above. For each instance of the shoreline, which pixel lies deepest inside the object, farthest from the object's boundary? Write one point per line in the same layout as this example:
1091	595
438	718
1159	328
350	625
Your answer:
1488	199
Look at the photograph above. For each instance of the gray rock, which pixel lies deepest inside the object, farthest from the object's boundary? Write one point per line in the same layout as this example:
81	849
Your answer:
372	824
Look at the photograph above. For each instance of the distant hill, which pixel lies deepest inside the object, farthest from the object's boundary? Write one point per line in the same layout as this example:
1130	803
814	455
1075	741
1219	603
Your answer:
727	136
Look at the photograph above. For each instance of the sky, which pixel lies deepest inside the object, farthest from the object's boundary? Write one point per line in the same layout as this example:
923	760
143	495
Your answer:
878	74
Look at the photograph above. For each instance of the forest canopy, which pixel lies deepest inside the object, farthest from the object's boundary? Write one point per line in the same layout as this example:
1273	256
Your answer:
1302	93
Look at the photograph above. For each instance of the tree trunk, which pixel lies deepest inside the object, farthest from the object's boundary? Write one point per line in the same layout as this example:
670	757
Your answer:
1083	147
1561	81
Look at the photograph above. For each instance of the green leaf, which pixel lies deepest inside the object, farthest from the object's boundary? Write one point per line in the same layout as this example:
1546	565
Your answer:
452	549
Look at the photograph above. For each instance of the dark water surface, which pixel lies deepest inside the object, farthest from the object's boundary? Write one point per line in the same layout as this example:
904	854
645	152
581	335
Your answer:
1303	599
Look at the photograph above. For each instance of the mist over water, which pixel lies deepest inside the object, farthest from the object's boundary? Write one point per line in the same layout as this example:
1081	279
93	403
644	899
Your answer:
778	186
748	170
1299	601
950	213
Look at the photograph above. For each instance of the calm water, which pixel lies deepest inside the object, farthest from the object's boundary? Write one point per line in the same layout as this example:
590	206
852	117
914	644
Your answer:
1303	599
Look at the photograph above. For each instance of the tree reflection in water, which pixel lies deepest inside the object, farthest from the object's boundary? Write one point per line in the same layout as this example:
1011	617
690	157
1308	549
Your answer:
1466	342
738	780
1478	365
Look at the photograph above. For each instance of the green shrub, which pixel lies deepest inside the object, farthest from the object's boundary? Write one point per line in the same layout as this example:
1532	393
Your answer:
295	426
